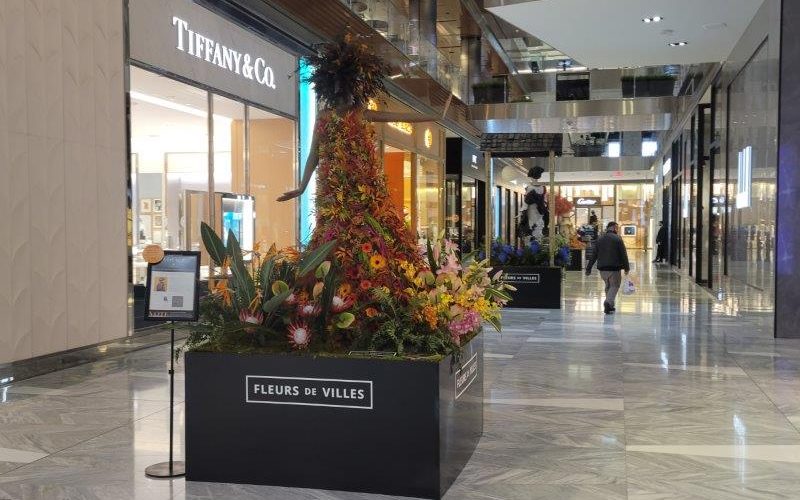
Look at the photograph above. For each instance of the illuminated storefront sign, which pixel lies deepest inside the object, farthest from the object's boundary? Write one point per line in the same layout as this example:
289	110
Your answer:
235	61
403	127
428	138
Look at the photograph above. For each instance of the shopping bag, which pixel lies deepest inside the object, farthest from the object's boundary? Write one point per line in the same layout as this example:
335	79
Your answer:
628	286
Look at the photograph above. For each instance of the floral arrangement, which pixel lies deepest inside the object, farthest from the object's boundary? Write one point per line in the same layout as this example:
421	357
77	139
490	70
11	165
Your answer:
563	206
285	300
534	254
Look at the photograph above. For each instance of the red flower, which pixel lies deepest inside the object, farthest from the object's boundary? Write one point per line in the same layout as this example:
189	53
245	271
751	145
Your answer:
308	310
365	285
339	304
299	335
251	318
366	247
371	312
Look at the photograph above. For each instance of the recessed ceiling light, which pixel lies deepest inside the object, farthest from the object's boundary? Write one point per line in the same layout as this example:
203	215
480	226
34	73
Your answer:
653	19
678	44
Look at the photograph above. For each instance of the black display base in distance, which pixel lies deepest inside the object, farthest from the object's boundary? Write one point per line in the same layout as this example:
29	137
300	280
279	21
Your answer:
166	470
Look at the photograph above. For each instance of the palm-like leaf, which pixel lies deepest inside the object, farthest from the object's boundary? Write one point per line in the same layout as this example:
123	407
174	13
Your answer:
213	244
314	258
245	288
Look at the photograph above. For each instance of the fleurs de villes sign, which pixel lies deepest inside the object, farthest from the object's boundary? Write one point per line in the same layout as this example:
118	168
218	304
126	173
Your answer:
240	63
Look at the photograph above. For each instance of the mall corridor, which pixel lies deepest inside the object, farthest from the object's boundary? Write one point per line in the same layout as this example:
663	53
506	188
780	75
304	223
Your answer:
675	396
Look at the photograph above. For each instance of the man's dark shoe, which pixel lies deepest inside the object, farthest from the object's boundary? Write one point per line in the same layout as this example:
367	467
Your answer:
607	308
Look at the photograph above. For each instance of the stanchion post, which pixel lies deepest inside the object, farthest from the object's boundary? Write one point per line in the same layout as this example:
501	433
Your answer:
170	469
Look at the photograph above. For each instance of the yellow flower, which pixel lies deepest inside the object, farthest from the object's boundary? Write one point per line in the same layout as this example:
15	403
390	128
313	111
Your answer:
377	262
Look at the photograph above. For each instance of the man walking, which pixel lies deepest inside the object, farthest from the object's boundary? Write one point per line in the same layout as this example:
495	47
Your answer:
611	257
661	241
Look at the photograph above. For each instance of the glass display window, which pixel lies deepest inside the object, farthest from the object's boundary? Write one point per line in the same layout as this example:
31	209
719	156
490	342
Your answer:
430	209
175	181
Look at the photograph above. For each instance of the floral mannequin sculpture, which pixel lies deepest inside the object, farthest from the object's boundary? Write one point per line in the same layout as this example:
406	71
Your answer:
353	204
536	199
362	284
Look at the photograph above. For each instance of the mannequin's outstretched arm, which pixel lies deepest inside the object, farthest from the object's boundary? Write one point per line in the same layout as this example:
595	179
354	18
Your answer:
308	173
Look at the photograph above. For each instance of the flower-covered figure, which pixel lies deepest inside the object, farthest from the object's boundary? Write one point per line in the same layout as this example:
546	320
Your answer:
353	204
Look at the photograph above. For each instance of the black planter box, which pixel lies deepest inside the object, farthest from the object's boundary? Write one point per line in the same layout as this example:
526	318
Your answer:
575	260
537	287
376	425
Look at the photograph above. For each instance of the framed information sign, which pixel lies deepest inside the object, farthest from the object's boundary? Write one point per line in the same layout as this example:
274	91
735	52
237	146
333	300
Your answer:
172	293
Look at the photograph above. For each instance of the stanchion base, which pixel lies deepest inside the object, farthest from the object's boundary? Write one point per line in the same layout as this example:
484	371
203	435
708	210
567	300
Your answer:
163	470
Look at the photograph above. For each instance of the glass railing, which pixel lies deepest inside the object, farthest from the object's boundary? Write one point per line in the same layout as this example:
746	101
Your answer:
392	21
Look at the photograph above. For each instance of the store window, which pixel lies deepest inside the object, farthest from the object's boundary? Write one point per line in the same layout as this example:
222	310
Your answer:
397	164
169	159
469	214
430	179
634	206
272	149
172	170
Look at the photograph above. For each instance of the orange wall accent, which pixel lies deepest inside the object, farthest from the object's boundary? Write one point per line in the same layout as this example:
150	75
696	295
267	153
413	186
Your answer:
393	164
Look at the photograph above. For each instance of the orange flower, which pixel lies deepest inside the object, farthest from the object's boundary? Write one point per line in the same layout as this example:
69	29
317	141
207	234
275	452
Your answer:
431	316
365	285
345	289
366	247
371	312
377	262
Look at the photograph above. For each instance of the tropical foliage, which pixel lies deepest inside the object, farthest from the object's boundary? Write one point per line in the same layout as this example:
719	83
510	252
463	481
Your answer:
284	300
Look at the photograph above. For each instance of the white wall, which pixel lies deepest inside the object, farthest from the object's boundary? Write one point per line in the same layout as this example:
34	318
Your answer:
63	254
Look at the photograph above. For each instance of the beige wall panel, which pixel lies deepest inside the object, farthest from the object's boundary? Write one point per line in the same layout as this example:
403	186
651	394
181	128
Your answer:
5	198
19	245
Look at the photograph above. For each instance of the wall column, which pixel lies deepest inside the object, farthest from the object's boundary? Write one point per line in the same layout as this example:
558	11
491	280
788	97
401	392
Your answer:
787	244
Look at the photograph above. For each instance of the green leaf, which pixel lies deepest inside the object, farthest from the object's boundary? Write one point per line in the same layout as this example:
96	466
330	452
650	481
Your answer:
275	302
266	276
495	322
213	244
279	287
431	261
373	222
314	258
492	292
344	320
323	269
244	285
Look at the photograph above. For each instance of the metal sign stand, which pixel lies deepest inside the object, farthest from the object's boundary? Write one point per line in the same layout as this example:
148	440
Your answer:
171	468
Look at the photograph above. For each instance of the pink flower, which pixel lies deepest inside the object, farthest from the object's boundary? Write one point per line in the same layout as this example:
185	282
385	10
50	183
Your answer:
252	318
291	299
450	247
299	335
469	322
308	310
451	266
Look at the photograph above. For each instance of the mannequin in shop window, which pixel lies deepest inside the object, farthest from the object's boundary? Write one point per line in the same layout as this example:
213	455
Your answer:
353	205
537	211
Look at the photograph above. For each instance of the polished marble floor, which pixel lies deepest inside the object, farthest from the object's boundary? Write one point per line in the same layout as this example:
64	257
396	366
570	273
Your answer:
679	395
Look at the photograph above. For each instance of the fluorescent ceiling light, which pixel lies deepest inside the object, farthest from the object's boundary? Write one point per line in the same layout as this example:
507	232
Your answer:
524	71
653	19
164	103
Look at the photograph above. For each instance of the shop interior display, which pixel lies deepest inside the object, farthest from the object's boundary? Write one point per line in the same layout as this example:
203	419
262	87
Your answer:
362	284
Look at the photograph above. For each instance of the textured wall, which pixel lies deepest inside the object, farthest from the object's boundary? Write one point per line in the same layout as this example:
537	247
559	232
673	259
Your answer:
62	176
